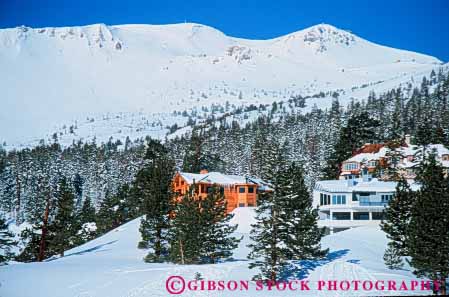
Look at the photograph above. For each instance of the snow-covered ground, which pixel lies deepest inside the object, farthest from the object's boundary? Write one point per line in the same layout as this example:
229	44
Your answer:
51	76
112	266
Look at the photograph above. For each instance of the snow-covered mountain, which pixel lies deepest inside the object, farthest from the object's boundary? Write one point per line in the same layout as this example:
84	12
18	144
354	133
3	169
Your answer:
54	75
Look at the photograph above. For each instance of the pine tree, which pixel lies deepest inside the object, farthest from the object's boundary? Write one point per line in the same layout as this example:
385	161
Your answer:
6	241
395	129
303	236
64	226
268	250
86	220
397	218
394	157
217	242
360	129
185	230
87	213
392	257
428	232
153	185
114	210
194	158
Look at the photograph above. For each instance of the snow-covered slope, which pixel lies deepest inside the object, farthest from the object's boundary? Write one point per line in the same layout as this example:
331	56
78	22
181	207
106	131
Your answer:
53	75
112	266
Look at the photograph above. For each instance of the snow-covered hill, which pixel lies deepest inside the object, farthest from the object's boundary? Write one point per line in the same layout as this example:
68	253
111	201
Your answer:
112	266
52	76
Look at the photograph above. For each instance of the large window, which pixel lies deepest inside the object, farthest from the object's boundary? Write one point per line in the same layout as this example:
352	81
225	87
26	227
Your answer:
378	215
350	166
338	199
325	199
361	216
341	216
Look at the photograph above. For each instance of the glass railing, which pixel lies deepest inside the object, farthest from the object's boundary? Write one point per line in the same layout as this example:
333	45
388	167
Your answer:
369	203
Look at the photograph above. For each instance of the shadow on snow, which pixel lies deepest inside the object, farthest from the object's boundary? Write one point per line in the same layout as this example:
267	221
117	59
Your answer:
93	249
301	269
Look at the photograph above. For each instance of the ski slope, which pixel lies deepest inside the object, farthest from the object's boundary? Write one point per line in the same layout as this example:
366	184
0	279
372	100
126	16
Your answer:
112	266
54	76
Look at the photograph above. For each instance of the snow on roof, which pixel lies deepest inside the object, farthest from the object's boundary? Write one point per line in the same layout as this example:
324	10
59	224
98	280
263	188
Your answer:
355	185
218	178
412	150
362	157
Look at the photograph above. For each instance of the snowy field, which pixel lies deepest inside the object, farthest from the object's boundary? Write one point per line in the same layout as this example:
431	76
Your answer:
112	266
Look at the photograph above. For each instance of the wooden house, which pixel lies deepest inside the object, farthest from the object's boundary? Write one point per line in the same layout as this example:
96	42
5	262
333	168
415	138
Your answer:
239	191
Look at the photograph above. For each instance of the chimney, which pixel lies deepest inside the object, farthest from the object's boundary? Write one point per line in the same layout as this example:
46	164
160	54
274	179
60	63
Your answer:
203	171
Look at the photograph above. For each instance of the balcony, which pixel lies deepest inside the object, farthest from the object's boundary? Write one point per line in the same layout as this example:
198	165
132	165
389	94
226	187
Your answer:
372	203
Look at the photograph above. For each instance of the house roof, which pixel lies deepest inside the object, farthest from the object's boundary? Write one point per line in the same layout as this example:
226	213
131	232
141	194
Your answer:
358	185
222	179
363	157
405	151
370	148
355	185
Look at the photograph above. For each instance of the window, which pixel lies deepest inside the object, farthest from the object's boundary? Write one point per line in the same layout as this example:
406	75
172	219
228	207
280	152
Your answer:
250	204
378	215
341	216
354	197
350	166
251	190
221	190
386	198
325	199
203	188
338	199
361	216
372	163
241	204
242	190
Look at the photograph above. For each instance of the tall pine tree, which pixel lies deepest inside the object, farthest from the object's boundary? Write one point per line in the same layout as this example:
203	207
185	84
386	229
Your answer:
300	219
64	226
428	232
396	224
216	236
6	241
153	185
268	250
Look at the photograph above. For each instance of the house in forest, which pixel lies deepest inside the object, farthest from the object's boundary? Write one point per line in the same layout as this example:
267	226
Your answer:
239	191
376	158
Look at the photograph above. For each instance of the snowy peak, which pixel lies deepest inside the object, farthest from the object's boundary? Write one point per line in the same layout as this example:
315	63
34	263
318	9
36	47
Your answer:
97	35
100	69
321	37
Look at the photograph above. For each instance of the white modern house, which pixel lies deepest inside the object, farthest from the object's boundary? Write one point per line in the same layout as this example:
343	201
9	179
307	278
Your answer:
351	203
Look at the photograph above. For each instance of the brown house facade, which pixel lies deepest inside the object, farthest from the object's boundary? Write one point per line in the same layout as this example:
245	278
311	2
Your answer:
239	191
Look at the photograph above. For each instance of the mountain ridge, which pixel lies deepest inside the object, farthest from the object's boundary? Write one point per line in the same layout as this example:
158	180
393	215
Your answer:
55	75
